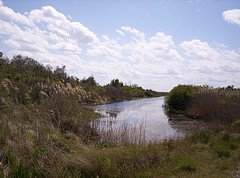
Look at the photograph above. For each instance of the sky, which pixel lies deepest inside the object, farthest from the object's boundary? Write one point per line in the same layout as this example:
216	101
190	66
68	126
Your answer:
155	44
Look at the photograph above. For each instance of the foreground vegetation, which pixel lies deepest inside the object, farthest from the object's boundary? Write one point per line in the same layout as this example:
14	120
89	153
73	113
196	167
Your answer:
45	131
39	149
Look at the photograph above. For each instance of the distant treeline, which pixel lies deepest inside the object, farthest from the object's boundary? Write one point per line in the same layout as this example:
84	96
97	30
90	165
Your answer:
30	80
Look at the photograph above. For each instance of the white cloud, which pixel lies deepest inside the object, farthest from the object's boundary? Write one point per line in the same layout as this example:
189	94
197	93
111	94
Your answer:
62	34
200	49
159	48
58	22
155	62
108	48
1	2
232	16
138	34
48	14
213	66
67	47
31	39
9	15
143	58
120	32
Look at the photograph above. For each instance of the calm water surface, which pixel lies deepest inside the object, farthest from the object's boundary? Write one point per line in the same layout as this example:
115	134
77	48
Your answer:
143	118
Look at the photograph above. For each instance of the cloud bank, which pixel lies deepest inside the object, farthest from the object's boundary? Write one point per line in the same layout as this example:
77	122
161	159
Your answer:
232	16
155	62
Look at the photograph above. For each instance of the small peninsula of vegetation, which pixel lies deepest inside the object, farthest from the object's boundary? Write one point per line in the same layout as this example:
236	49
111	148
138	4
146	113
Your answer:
45	128
204	102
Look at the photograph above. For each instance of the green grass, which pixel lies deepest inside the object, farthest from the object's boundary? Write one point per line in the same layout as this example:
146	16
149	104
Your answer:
189	157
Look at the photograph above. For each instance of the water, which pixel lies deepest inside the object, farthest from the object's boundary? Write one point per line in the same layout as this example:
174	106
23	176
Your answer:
142	119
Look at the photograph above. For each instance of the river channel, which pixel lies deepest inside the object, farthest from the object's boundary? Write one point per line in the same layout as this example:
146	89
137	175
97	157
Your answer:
139	121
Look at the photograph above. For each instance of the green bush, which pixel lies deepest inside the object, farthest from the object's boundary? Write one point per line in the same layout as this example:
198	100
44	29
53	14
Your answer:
184	163
180	97
222	151
188	167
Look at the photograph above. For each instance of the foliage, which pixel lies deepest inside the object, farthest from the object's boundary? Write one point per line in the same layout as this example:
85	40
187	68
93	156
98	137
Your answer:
220	104
205	102
117	91
180	97
26	81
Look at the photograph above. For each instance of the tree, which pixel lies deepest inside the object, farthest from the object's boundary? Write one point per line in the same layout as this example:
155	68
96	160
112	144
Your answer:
116	83
60	73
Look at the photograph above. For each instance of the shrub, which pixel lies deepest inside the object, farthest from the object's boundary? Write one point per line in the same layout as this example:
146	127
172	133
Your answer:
221	104
185	164
188	167
222	151
181	97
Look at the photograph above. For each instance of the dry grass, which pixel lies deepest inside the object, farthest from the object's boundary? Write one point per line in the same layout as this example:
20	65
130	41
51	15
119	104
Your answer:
46	140
111	133
221	105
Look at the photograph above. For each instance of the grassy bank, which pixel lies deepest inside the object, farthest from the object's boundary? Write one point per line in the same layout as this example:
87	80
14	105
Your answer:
28	150
204	154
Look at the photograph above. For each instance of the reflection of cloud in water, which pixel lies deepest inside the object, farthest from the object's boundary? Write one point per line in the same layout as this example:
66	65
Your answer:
135	118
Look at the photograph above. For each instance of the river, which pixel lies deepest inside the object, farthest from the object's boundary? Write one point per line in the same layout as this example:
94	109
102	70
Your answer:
138	121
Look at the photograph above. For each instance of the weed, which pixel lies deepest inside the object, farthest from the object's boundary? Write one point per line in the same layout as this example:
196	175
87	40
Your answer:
222	150
202	137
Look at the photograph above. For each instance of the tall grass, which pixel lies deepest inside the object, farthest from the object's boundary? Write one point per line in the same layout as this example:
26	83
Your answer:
203	102
120	132
221	105
46	140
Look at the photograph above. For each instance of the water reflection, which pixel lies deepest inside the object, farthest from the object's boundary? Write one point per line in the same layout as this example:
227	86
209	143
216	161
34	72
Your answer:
137	120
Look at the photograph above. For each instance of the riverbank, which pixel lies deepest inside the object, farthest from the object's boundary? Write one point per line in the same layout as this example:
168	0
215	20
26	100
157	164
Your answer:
203	154
39	143
161	94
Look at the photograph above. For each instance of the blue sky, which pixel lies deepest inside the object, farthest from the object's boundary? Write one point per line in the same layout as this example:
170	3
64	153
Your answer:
157	44
185	20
